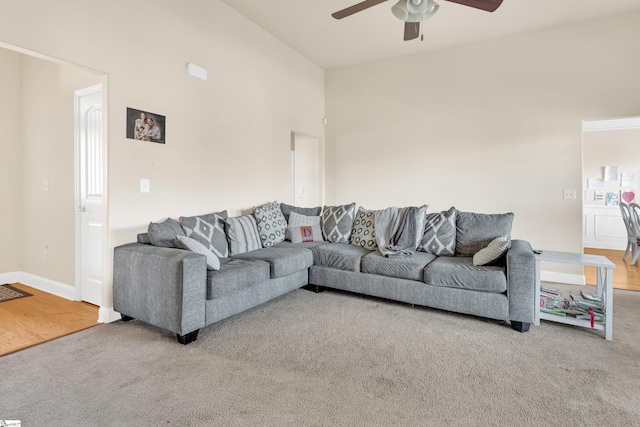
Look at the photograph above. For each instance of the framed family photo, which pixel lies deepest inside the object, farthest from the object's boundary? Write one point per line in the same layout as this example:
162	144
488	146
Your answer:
145	126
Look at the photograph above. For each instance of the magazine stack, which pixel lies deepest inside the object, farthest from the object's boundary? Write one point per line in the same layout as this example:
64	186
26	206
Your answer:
586	306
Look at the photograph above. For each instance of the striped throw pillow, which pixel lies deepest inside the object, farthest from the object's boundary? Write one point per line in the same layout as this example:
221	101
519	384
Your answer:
492	252
213	262
242	233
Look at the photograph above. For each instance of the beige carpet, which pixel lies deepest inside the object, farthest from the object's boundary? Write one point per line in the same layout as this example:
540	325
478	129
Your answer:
333	359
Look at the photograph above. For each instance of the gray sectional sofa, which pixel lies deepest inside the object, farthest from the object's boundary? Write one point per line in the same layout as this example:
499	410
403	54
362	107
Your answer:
178	290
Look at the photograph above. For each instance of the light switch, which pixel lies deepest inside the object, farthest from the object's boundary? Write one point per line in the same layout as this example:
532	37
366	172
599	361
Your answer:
145	186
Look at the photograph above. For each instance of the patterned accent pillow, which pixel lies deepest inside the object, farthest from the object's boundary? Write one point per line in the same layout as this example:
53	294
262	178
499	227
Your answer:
242	233
209	231
492	252
271	224
213	263
363	233
164	233
440	233
298	220
306	233
337	222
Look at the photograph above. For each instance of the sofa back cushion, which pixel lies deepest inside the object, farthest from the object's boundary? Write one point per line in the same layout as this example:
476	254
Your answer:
337	222
208	230
474	231
242	233
287	209
163	234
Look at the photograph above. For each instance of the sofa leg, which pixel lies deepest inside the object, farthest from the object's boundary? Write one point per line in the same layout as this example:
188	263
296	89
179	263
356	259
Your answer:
126	318
188	338
314	288
520	326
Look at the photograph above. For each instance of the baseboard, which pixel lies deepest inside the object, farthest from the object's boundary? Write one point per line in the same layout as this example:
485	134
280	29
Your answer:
46	285
570	279
108	315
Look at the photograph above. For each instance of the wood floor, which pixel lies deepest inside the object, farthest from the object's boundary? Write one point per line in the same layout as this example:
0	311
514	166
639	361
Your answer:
25	322
625	276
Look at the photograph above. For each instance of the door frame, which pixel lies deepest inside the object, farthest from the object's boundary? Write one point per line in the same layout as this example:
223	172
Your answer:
321	172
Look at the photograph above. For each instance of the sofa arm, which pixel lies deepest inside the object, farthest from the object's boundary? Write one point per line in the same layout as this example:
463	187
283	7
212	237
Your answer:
162	286
521	282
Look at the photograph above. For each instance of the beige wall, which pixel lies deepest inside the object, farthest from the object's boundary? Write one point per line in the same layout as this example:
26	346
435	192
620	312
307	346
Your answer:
610	148
487	127
47	135
10	162
228	139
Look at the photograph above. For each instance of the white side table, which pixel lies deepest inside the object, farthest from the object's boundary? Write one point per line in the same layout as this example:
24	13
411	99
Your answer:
604	288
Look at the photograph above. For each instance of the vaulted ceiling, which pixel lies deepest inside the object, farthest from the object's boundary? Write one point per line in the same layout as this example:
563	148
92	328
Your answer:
375	34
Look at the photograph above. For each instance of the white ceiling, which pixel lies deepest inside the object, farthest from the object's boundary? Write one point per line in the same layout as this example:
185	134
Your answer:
375	34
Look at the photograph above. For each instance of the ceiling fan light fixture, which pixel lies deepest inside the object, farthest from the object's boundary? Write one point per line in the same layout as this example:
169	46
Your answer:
414	10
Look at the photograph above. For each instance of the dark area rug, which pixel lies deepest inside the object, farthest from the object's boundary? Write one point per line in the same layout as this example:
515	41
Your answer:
8	292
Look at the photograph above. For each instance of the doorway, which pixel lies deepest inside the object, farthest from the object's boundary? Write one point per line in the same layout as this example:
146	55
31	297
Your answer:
608	144
307	167
89	192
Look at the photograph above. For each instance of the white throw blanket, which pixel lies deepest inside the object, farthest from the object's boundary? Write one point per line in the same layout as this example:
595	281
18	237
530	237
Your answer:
397	231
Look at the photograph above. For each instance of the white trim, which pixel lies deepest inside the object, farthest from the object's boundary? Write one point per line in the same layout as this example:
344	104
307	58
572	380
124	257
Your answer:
62	290
615	124
108	315
40	283
571	279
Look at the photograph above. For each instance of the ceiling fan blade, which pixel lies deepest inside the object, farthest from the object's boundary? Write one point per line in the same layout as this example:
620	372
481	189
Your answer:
488	5
356	8
411	30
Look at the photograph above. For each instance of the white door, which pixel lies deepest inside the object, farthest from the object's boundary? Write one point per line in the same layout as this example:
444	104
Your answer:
88	125
306	171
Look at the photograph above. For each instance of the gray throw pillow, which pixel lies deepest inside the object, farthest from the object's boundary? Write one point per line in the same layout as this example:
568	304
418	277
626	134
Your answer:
187	243
474	231
337	222
209	231
439	236
364	233
271	224
242	233
287	209
164	233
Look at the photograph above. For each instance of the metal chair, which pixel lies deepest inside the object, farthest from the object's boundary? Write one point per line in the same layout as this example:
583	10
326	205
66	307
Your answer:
631	218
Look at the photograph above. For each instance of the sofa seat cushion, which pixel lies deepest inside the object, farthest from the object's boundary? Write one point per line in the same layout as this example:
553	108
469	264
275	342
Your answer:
283	261
411	267
459	272
307	245
341	256
234	275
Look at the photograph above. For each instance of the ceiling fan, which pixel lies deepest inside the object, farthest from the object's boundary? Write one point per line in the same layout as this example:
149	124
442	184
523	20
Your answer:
412	12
